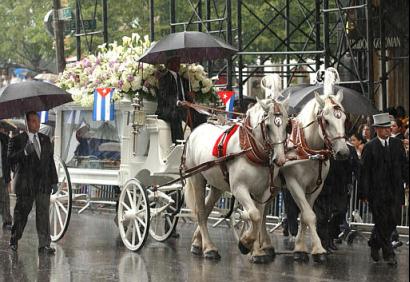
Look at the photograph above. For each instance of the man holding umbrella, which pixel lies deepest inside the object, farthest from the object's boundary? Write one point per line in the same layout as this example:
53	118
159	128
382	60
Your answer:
31	158
172	89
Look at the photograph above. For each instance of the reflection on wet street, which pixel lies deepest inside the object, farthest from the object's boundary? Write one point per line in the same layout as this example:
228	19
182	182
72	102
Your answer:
92	251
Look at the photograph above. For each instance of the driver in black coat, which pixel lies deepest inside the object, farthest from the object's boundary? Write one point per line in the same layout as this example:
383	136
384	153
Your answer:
172	89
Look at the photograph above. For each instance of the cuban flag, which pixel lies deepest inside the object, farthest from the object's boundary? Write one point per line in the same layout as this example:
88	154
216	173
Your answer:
103	104
228	98
43	115
74	117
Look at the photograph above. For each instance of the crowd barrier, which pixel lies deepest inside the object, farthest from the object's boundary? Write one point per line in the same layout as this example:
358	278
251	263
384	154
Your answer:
359	216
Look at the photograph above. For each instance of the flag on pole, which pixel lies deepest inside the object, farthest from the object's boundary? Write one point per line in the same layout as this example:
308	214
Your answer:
43	115
74	117
103	104
228	98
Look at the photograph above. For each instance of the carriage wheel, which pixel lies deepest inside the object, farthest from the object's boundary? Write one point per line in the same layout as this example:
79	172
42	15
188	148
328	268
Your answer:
133	215
164	212
238	224
60	202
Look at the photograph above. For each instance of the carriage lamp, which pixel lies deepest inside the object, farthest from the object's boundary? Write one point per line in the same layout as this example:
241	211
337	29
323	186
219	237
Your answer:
138	115
138	118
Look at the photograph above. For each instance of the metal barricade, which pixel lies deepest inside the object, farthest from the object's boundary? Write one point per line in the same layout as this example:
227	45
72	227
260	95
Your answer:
360	218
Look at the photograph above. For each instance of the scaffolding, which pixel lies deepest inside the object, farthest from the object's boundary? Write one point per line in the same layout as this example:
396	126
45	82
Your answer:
349	35
82	29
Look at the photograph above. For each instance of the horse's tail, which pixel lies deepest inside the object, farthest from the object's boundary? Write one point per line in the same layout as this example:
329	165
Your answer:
189	196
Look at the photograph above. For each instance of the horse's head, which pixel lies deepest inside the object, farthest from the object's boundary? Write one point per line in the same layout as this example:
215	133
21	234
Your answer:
331	119
269	119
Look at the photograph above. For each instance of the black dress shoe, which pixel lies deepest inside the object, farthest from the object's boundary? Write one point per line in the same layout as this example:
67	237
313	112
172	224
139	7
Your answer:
391	260
332	246
46	250
13	246
374	253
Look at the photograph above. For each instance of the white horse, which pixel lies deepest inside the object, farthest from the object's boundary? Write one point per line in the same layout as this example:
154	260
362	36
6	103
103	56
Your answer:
318	133
248	176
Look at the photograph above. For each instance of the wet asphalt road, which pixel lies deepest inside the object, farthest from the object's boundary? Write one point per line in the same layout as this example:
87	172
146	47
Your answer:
92	251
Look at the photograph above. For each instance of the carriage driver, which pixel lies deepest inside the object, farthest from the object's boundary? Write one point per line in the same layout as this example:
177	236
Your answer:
173	88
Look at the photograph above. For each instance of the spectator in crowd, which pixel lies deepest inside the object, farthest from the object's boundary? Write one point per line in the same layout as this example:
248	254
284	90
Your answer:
397	129
383	171
357	140
4	180
31	159
290	222
364	129
331	204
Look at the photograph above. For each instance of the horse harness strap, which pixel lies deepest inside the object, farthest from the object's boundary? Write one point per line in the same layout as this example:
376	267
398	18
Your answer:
247	140
303	151
220	149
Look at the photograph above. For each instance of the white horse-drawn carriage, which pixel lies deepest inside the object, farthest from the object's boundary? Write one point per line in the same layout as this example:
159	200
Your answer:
135	153
132	152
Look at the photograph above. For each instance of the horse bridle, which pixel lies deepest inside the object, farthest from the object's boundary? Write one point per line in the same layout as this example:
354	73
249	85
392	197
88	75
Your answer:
268	143
338	111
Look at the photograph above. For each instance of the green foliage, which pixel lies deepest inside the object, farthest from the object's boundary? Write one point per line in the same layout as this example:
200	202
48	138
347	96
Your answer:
26	41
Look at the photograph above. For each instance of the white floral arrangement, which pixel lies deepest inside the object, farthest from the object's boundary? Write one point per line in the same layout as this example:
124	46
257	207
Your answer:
117	66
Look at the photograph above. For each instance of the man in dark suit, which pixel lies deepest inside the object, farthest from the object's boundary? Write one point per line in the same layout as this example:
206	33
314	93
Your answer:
4	181
31	158
383	173
173	88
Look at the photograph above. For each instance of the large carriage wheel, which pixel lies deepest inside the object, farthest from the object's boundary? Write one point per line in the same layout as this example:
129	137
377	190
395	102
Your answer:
133	215
165	204
237	222
60	202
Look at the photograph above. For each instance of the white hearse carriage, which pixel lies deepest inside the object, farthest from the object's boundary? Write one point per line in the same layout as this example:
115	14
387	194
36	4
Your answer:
133	153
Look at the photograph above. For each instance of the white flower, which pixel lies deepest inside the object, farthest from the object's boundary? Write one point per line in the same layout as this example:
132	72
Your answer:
136	83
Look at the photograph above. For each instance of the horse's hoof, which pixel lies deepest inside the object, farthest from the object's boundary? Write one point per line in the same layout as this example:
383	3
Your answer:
243	249
212	255
261	259
270	252
319	258
300	257
196	250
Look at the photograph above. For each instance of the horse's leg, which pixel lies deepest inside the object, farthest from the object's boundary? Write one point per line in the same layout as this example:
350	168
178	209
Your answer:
306	215
241	193
213	196
262	251
198	183
318	252
265	238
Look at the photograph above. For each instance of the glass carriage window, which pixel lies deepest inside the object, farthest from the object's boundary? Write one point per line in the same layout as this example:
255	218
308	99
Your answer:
91	144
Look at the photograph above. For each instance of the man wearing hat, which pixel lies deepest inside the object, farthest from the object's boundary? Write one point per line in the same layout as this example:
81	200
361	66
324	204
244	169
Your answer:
383	173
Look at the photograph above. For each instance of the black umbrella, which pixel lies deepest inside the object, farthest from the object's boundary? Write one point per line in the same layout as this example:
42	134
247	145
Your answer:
19	98
189	46
292	89
353	101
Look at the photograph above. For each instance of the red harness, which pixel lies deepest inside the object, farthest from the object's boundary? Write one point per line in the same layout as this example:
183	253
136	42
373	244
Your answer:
221	143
